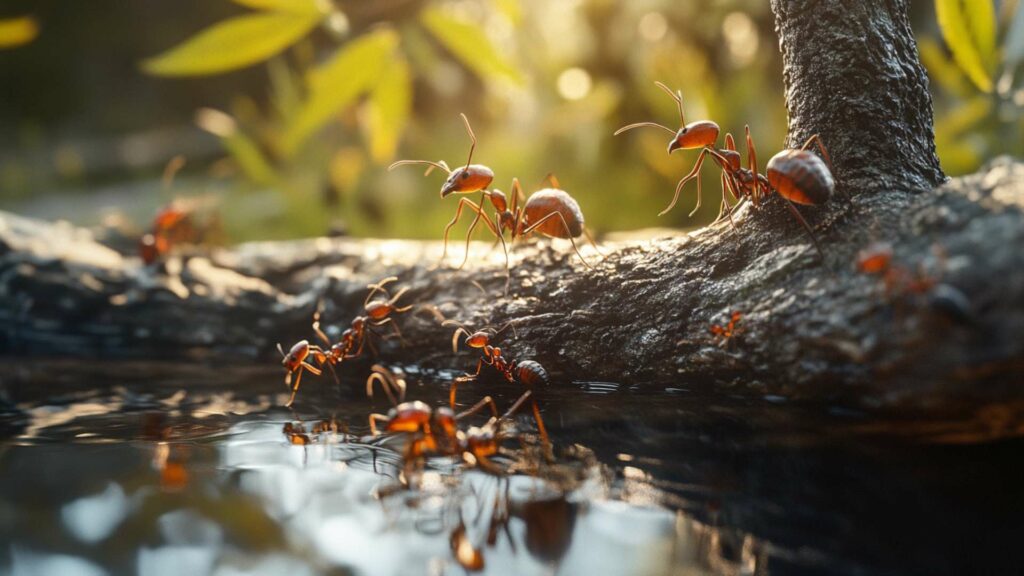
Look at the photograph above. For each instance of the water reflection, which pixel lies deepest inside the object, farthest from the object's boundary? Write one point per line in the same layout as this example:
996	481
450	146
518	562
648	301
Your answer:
146	478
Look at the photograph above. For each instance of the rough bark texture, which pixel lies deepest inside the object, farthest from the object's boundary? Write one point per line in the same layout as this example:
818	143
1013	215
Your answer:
853	76
642	317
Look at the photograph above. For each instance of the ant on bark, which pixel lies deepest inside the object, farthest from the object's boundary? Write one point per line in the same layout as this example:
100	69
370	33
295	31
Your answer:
378	312
797	175
435	432
529	373
550	211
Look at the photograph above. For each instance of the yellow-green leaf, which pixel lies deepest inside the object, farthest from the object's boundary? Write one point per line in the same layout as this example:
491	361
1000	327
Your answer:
981	22
388	110
354	69
295	6
958	29
511	9
17	31
467	42
232	44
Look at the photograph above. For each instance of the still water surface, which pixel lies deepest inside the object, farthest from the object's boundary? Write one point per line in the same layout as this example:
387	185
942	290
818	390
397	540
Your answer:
156	469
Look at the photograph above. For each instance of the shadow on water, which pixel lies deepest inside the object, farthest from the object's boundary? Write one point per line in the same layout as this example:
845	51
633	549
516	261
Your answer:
156	469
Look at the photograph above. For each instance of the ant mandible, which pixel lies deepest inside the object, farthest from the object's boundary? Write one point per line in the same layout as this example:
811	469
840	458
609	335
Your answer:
529	373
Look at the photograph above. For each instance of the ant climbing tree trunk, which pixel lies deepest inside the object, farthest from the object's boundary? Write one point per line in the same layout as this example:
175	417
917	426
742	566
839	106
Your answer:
852	75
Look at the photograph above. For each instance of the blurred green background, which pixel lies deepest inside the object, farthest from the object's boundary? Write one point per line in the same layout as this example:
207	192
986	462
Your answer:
289	111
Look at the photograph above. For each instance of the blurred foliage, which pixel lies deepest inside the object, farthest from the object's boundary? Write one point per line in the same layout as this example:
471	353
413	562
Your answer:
303	103
979	98
15	32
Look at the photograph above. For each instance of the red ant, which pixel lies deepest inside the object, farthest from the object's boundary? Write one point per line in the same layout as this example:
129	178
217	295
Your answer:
378	313
798	176
171	225
529	373
551	211
436	431
877	260
466	180
725	333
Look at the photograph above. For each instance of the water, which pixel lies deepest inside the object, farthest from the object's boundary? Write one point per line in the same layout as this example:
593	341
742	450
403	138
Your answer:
176	469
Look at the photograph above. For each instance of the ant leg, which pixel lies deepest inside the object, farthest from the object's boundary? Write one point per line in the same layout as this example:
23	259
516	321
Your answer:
374	418
515	407
687	178
590	237
458	214
469	231
751	153
552	180
568	233
486	402
464	378
800	218
480	214
379	375
699	195
816	139
540	428
295	388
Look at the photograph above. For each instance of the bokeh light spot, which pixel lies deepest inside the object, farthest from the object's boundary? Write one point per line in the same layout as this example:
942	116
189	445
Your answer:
574	83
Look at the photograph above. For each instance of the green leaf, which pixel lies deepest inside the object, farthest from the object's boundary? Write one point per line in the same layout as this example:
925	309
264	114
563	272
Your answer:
960	24
233	44
354	69
467	42
388	110
17	31
293	6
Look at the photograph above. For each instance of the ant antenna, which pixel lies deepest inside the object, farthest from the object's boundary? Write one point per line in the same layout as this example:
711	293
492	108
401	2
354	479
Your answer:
441	164
472	137
639	124
379	287
455	337
678	97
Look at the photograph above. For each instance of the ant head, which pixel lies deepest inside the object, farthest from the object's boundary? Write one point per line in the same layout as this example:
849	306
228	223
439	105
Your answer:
478	339
470	178
295	356
378	310
694	135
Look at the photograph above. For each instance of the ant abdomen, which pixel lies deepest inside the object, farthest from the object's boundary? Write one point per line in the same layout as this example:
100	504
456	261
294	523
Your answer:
530	373
801	176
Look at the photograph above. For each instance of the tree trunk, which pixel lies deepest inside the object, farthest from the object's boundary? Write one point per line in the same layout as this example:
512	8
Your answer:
809	326
853	76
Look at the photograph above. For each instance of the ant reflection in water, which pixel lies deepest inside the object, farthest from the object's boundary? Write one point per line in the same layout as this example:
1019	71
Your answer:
436	431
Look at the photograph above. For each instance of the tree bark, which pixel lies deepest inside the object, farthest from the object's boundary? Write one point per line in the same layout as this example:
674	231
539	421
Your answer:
852	75
642	317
